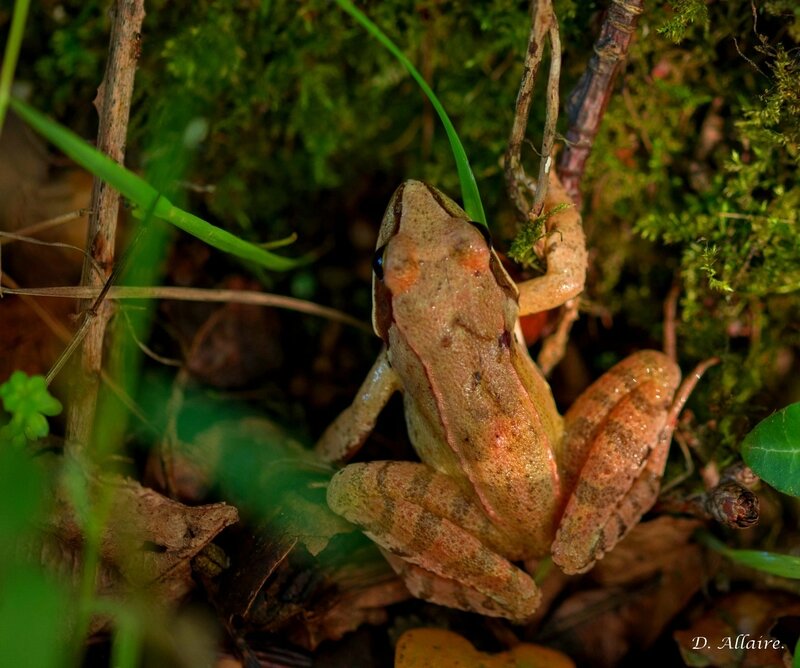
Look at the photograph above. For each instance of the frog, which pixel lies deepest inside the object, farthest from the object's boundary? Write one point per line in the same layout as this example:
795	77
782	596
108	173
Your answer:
502	476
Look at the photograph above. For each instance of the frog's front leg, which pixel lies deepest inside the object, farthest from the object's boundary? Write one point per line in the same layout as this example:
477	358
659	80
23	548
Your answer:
612	456
437	537
343	438
565	253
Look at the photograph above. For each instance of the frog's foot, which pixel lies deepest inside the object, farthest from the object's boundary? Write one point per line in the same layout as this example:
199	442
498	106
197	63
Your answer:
440	542
614	450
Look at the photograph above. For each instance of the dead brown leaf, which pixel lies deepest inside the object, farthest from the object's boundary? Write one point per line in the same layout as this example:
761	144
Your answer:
735	631
237	344
424	648
646	580
146	546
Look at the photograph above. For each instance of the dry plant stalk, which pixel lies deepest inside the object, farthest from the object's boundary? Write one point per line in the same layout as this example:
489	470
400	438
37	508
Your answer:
178	293
588	101
543	23
113	104
586	107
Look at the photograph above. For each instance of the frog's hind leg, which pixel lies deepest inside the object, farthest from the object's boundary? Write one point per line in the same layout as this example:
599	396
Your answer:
613	454
439	540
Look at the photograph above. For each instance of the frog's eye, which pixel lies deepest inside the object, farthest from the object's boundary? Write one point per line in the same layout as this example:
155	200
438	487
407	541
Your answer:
484	230
377	262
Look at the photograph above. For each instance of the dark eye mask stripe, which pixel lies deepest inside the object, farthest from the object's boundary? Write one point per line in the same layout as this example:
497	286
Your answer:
377	261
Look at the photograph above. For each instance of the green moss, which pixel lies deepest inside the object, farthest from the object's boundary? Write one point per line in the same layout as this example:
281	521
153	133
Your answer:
694	176
701	153
686	14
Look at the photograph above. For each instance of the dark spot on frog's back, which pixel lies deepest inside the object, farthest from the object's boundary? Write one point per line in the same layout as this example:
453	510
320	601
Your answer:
446	341
476	378
504	340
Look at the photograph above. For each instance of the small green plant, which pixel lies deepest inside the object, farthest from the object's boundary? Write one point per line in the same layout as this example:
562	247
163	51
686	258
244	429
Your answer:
29	403
522	249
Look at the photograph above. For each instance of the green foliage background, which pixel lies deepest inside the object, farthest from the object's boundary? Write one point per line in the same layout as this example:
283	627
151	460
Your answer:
303	124
311	125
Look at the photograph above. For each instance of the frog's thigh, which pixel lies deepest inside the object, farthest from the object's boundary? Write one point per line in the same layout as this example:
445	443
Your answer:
442	544
613	456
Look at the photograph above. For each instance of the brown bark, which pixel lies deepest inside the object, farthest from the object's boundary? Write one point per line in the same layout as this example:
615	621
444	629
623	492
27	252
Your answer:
113	104
588	101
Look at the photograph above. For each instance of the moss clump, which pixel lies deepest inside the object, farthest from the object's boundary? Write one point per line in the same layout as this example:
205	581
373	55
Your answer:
311	125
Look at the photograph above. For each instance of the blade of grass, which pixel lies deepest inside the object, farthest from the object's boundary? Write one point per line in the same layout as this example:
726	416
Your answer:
782	565
127	646
11	54
469	187
143	195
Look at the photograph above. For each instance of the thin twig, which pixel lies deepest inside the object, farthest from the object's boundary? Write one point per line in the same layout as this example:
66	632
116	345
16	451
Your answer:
588	101
551	118
58	328
543	22
147	350
670	318
45	225
196	295
685	389
113	103
10	237
53	324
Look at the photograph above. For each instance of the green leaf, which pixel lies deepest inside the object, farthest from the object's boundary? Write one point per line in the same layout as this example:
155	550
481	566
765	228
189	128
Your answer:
772	450
28	401
22	393
469	187
145	196
782	565
34	612
21	494
127	646
13	44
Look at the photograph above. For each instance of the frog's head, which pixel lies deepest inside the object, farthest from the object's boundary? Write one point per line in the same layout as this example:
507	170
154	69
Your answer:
427	250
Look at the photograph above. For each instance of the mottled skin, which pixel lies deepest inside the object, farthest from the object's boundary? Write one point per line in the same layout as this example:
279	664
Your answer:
503	476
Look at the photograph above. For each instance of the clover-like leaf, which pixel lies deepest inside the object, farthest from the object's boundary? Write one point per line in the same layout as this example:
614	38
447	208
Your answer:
23	394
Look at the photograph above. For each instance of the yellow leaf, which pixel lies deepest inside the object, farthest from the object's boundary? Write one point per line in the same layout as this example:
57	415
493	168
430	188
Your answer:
420	648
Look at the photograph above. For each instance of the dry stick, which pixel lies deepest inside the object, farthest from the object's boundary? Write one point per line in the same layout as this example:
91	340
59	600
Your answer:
670	318
543	22
45	225
585	109
11	237
52	323
197	295
588	101
56	326
113	104
550	120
